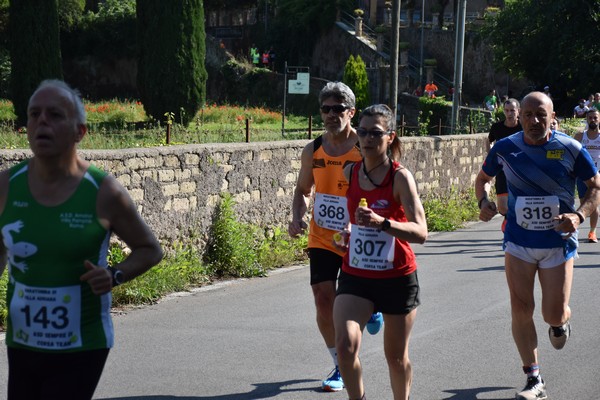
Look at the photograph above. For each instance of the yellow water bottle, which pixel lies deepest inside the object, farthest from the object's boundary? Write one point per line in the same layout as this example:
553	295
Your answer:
363	202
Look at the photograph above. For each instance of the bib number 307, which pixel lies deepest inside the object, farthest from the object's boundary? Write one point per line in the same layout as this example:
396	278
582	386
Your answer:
371	249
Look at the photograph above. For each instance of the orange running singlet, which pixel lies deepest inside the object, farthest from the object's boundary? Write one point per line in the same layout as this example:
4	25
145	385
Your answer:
330	213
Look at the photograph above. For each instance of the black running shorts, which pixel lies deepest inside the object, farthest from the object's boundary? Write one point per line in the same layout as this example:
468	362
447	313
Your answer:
396	296
325	265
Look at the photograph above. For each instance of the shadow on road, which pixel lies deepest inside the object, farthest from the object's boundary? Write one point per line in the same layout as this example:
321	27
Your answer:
471	394
261	391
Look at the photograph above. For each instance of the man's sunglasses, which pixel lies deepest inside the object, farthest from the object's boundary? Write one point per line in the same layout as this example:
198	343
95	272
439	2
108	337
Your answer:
376	133
338	109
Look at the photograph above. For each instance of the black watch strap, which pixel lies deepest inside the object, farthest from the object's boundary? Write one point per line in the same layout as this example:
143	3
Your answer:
385	225
117	276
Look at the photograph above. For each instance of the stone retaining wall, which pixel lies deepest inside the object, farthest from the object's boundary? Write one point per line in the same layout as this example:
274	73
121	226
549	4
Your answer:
177	188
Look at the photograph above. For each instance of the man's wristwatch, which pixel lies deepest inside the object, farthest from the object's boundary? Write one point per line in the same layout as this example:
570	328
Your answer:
385	225
117	276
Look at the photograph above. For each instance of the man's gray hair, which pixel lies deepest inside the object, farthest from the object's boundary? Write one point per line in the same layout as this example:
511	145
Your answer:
73	94
340	91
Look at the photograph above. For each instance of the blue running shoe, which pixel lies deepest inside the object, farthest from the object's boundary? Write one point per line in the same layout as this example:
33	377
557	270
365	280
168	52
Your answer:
375	323
334	383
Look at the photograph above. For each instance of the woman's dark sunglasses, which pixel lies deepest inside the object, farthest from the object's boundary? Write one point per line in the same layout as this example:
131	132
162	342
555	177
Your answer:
338	109
376	133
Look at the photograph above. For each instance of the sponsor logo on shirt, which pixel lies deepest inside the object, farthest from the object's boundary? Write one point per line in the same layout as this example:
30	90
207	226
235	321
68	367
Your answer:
76	220
380	204
318	163
555	154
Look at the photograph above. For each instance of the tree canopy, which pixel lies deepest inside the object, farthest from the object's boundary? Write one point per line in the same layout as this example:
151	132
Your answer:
549	42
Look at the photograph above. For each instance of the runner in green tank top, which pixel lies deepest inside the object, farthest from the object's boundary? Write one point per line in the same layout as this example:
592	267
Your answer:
57	213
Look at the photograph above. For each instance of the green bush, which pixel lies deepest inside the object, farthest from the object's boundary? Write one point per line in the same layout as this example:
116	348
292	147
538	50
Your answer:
355	76
179	271
571	126
480	121
278	248
450	211
69	13
232	249
109	33
431	111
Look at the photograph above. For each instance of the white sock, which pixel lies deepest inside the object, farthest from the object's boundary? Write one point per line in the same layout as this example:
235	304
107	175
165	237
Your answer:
333	355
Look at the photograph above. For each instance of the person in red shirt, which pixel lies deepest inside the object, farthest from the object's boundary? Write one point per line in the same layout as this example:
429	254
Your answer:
379	270
321	180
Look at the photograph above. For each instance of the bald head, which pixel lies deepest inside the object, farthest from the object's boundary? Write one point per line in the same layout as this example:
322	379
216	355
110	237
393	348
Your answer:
539	98
537	112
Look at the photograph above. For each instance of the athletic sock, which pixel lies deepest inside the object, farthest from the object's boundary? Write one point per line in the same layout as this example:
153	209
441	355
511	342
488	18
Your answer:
333	353
532	371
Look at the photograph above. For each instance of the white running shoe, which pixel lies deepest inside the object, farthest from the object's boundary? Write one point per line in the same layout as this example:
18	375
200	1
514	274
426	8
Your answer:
559	335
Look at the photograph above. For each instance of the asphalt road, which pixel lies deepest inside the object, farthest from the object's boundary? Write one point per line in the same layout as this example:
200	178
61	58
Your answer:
257	339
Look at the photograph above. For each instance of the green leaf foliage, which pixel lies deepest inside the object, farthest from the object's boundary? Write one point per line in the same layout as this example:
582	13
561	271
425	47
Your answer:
108	33
552	42
232	249
431	111
451	210
69	13
171	72
355	76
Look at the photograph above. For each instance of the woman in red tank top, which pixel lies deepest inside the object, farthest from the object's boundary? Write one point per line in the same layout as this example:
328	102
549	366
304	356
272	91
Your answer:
379	271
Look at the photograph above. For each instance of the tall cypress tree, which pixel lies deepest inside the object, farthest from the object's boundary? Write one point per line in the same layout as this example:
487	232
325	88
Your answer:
355	76
171	71
34	49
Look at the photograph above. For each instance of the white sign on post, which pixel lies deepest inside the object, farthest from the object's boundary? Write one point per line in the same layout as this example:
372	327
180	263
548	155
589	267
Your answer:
300	85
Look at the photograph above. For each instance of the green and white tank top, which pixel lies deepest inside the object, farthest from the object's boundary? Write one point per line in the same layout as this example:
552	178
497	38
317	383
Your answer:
49	308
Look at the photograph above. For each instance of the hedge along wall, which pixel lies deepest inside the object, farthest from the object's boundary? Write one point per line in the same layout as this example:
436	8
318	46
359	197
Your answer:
177	188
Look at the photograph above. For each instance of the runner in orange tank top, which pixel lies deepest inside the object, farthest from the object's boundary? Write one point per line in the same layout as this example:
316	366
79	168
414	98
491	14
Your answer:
321	179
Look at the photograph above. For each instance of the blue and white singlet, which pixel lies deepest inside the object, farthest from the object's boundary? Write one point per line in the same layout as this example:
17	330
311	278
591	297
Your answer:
541	185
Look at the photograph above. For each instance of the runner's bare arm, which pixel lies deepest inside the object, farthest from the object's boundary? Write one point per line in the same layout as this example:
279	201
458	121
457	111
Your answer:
117	212
302	192
487	208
